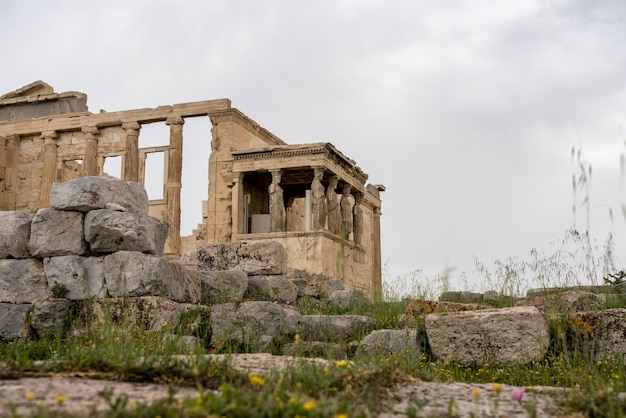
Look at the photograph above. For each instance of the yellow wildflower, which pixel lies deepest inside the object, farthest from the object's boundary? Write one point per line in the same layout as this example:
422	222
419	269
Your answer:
30	396
256	380
296	338
341	416
475	393
308	406
341	363
60	399
497	387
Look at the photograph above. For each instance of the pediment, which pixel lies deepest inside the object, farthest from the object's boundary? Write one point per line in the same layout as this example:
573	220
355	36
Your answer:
35	88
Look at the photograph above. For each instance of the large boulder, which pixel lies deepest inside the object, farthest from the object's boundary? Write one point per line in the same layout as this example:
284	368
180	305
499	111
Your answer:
510	335
314	285
390	342
255	258
148	313
272	289
131	273
565	302
15	234
95	192
222	286
108	231
50	317
346	300
255	326
599	333
75	277
13	320
22	281
54	233
417	310
336	328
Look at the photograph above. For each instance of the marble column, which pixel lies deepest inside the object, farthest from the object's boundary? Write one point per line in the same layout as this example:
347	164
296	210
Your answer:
90	161
49	167
318	200
278	215
346	211
332	206
377	273
173	185
357	219
10	178
131	157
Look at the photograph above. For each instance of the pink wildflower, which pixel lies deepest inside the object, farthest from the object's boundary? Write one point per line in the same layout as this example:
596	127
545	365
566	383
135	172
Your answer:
517	395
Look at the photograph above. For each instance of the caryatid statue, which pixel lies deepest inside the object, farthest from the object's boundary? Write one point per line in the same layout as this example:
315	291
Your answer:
332	205
318	199
346	211
357	218
278	214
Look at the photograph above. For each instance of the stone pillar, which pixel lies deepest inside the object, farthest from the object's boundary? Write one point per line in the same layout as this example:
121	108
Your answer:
131	157
173	185
10	180
278	214
318	200
357	219
332	206
237	205
90	162
346	211
49	167
377	273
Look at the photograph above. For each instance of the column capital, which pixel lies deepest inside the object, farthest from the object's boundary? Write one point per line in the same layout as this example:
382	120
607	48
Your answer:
90	131
175	120
131	126
49	136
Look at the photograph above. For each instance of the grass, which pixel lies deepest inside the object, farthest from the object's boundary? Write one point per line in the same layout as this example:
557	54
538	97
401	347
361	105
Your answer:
125	350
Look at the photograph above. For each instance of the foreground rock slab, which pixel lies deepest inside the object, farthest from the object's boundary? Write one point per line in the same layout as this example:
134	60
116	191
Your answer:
510	336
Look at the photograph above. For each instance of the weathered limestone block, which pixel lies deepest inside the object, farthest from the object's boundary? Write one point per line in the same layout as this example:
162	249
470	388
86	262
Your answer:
147	312
54	233
15	234
108	231
564	302
94	192
271	288
418	309
317	285
510	335
255	258
315	349
388	342
600	333
75	277
50	317
222	286
344	300
13	320
335	328
461	297
22	281
131	273
255	325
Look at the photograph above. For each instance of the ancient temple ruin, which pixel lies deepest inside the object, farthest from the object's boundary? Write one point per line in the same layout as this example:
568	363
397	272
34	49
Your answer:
310	197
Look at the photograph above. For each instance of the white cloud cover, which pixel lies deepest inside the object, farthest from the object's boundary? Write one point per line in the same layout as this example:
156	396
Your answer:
466	111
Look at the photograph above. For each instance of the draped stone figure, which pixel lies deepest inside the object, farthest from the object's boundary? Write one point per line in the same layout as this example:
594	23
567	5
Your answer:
277	203
346	211
318	200
357	218
332	205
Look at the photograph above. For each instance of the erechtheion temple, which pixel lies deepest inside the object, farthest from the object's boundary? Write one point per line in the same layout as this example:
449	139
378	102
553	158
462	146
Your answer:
310	197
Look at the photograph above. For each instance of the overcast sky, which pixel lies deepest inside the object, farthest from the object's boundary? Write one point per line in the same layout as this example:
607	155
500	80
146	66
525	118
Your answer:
465	110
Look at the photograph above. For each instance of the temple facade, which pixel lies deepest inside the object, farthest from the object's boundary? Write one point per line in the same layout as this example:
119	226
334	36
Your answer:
310	197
